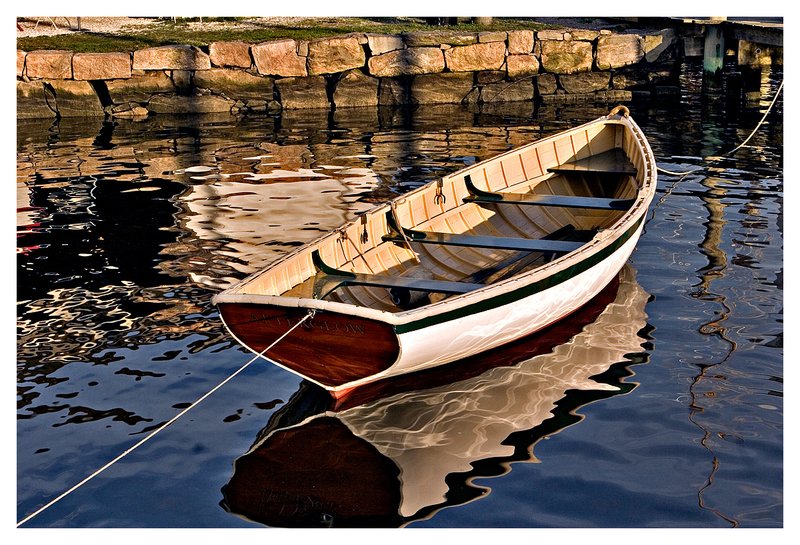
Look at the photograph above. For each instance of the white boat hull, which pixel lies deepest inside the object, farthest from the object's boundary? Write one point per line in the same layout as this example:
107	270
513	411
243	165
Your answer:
475	333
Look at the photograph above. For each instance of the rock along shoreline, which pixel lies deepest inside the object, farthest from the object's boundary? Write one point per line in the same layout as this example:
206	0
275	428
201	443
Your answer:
356	70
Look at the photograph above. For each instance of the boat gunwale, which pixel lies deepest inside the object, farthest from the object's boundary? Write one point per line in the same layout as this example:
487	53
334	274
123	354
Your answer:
603	239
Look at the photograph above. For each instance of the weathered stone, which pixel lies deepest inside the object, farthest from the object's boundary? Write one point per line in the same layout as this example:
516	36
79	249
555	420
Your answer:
393	92
614	96
544	35
492	36
618	50
585	82
547	84
32	101
139	88
383	43
628	80
365	118
508	91
438	37
520	42
407	62
449	88
362	39
279	59
49	64
20	63
303	93
94	66
182	80
752	54
233	54
584	35
254	91
521	65
333	55
693	46
196	104
356	89
171	57
483	56
566	57
655	45
486	77
76	99
129	110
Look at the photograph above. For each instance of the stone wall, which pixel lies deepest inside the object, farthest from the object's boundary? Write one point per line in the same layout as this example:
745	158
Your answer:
432	67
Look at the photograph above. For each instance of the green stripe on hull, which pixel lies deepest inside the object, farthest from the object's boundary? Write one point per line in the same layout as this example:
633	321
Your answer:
525	291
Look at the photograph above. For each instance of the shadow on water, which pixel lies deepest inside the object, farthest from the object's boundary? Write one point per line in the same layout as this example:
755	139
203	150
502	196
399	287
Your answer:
126	229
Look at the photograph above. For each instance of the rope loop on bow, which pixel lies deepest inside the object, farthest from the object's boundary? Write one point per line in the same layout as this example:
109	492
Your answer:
620	109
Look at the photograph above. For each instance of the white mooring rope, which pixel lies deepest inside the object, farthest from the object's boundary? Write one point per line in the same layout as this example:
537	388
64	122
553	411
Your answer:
165	425
713	159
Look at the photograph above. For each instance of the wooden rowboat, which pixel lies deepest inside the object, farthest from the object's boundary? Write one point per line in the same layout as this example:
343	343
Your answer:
477	259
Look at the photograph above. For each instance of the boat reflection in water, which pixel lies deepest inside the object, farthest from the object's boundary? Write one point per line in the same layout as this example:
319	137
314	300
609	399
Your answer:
393	452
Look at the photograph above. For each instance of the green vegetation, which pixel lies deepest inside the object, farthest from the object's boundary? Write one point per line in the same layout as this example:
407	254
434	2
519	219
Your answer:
166	31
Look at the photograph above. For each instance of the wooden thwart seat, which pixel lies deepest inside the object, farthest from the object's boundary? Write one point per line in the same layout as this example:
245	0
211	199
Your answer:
478	241
609	162
537	199
329	279
612	162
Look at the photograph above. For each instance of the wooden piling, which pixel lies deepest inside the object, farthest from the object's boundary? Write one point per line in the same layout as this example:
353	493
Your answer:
713	48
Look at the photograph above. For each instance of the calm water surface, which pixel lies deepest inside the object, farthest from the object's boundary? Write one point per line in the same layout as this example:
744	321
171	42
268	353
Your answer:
660	406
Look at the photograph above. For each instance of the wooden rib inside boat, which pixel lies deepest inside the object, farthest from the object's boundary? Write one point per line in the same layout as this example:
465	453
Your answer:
473	260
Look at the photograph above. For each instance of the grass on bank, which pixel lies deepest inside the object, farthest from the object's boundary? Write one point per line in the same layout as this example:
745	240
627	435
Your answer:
166	31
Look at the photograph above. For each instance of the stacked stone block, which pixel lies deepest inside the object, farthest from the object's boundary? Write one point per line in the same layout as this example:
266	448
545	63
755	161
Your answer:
359	70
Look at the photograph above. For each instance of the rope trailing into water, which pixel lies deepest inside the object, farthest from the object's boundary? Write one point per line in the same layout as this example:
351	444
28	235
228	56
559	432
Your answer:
713	159
166	424
774	100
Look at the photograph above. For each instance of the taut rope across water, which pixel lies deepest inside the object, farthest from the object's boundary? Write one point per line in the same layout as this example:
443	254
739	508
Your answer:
165	425
713	159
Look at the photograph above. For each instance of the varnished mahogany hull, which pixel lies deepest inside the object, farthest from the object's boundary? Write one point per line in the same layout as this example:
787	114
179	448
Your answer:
345	348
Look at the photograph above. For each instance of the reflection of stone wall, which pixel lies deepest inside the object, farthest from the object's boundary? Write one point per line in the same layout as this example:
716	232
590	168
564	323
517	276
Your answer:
430	67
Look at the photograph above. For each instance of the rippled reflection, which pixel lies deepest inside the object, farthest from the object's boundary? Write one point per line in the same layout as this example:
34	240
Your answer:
403	456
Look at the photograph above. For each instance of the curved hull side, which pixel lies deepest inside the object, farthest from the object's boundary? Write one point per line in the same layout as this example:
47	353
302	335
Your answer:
330	349
474	333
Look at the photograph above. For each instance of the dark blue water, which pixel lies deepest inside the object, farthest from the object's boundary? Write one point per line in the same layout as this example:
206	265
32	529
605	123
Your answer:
126	229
